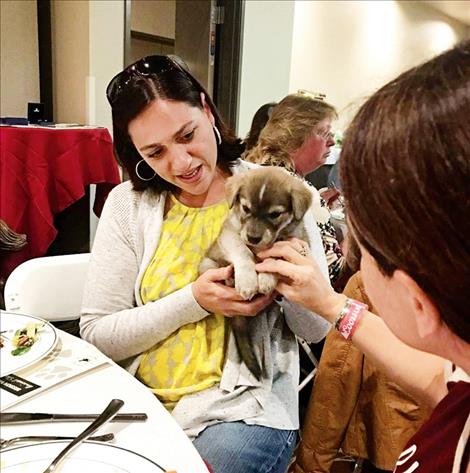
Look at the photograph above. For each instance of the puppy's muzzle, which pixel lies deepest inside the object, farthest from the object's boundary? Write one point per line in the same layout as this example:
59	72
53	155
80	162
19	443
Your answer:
253	239
256	237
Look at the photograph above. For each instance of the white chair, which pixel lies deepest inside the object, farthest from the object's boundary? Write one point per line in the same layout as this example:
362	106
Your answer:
307	374
50	287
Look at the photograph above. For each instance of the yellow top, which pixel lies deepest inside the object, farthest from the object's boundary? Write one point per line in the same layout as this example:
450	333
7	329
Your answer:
191	358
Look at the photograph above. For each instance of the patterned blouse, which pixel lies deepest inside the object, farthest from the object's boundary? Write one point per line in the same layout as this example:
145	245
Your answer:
334	255
191	358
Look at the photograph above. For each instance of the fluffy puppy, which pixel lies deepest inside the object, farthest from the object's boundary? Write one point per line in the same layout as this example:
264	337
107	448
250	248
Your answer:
267	204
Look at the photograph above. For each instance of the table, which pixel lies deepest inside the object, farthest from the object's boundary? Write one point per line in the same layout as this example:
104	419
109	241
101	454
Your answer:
42	172
159	438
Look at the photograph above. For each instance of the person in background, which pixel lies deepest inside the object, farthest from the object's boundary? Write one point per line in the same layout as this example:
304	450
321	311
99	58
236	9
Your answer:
405	170
146	306
298	138
260	118
9	241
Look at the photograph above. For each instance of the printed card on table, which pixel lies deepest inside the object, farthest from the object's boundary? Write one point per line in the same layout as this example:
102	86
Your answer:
61	364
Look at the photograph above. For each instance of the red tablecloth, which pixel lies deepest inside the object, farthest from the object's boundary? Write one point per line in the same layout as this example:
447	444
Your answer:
42	172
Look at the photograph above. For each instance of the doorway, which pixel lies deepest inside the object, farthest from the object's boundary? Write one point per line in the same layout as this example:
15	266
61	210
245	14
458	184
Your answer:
206	34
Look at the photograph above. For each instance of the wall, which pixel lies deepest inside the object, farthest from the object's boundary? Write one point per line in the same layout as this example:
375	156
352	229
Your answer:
70	58
88	50
266	56
106	56
105	60
141	48
349	49
154	17
19	58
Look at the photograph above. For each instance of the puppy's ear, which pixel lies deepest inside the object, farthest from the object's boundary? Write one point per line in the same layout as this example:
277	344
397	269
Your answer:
232	188
301	199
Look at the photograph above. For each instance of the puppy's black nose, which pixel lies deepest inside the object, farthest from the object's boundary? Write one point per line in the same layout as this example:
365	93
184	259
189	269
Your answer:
253	239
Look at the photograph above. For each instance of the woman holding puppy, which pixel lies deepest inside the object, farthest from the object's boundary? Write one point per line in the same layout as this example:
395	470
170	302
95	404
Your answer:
145	305
405	170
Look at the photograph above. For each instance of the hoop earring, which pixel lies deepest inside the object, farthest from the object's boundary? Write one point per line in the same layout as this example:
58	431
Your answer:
217	134
139	176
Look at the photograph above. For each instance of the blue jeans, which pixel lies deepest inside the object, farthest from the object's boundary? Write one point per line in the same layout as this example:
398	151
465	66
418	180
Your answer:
236	447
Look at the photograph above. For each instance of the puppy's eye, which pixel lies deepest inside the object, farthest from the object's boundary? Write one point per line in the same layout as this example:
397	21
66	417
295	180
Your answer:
274	215
245	208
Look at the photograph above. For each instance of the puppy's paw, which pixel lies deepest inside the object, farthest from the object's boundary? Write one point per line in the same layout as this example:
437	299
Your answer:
246	284
266	282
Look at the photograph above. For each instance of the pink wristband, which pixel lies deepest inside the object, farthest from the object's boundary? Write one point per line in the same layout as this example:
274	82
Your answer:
349	317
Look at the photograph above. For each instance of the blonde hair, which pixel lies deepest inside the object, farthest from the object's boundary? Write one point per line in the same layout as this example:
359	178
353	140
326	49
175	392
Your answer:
292	122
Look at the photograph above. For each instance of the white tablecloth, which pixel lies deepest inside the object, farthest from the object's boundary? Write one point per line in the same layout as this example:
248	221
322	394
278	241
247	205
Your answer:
159	438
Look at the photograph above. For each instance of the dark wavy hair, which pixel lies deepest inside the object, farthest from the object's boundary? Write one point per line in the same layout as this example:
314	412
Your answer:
138	90
405	172
260	118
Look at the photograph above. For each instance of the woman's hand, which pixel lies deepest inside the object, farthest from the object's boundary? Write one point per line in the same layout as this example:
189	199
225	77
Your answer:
212	294
300	278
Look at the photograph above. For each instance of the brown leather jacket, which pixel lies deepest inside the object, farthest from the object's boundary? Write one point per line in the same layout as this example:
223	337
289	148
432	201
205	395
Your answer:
354	407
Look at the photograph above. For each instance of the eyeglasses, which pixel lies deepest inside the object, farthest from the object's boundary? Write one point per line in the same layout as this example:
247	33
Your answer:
143	67
326	135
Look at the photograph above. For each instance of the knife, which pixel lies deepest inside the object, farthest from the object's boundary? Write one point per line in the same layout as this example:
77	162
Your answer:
32	417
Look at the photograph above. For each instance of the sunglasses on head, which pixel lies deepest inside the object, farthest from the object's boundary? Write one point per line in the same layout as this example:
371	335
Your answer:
143	67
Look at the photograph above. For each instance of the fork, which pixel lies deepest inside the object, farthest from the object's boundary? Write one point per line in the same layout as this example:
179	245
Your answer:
111	410
4	443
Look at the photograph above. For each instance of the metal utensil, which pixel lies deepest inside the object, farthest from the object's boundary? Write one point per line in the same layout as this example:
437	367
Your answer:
35	417
5	443
110	411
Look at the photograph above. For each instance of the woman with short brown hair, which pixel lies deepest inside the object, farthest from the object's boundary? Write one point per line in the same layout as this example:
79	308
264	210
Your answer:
298	126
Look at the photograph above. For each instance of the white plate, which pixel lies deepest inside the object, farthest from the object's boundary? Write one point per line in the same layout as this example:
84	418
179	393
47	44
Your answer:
338	214
9	324
88	457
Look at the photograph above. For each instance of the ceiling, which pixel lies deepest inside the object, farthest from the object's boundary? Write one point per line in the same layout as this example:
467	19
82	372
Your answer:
459	9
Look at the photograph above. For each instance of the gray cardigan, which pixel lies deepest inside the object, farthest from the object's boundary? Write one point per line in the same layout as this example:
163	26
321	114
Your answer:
114	319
